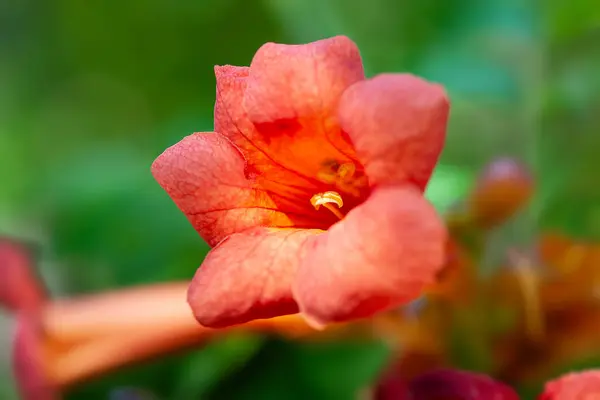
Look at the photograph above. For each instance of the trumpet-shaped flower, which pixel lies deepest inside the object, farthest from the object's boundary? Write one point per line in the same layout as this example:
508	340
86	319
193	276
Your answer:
310	190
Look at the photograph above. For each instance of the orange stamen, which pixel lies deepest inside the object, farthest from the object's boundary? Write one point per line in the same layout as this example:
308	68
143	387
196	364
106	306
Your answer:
327	200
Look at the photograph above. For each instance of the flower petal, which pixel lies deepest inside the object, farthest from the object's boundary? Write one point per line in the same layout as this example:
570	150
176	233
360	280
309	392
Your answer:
28	362
204	175
583	385
455	384
381	255
248	276
295	81
281	114
230	117
231	120
397	123
20	289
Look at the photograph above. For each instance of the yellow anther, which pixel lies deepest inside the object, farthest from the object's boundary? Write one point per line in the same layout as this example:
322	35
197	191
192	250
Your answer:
346	170
320	199
343	177
327	200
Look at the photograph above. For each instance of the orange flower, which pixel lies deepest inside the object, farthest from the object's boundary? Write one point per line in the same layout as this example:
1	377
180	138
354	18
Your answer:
574	386
556	305
569	296
311	187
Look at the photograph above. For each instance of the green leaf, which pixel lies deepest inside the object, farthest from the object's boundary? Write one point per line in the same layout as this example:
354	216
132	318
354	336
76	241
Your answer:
339	370
448	185
214	362
285	370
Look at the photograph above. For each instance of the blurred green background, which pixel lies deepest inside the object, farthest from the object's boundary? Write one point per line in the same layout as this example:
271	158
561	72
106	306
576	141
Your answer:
92	92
